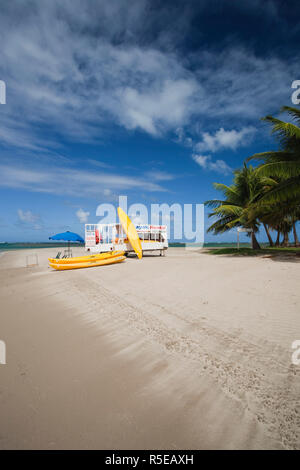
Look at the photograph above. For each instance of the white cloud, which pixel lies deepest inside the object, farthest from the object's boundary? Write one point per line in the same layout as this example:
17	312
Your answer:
162	107
106	73
97	163
157	175
107	192
73	182
222	139
206	162
30	219
27	216
82	216
202	160
94	80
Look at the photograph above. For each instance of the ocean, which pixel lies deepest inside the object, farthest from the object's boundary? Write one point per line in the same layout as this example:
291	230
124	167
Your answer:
28	245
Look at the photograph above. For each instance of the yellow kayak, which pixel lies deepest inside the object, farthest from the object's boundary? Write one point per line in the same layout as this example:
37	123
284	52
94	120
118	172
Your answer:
87	264
131	232
84	259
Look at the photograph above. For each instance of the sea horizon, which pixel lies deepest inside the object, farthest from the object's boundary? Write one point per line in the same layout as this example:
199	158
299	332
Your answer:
38	245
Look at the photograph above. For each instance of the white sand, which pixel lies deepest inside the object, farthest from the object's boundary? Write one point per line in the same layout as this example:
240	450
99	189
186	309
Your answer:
187	351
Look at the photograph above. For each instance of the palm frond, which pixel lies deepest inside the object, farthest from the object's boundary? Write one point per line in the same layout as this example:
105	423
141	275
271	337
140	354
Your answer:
294	112
272	156
286	191
228	209
214	202
220	226
280	169
283	128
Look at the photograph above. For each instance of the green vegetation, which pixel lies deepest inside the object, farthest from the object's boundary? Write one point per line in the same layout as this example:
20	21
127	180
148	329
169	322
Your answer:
275	251
268	195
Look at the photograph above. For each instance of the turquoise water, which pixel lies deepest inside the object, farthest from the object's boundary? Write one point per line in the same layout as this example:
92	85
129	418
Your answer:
22	246
207	245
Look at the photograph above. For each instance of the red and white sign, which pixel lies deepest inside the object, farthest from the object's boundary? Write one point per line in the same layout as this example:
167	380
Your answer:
149	228
162	228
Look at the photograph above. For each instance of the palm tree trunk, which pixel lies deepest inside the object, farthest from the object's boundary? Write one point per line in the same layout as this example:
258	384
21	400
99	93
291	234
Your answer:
254	242
268	235
285	240
295	234
277	239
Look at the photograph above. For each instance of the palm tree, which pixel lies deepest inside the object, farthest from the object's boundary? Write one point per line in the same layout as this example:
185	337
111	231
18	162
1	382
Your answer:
285	162
238	208
277	218
295	215
284	166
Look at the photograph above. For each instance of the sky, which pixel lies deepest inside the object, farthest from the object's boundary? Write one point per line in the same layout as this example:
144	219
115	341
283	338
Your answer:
151	99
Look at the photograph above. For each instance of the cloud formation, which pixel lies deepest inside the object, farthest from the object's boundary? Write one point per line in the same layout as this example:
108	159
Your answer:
29	220
75	77
82	216
76	70
206	162
71	181
215	142
222	139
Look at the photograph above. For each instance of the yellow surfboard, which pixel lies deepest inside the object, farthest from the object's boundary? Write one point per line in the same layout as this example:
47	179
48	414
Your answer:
84	259
87	264
131	232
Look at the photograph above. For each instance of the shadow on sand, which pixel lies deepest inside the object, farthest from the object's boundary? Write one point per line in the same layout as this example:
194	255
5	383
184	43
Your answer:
291	255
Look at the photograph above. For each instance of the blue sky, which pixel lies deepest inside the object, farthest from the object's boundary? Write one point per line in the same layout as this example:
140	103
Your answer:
155	100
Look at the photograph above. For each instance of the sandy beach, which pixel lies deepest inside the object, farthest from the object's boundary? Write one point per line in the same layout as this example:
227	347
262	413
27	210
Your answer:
187	351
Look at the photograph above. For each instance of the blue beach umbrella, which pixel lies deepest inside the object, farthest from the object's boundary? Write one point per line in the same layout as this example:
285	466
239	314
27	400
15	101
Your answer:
67	237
